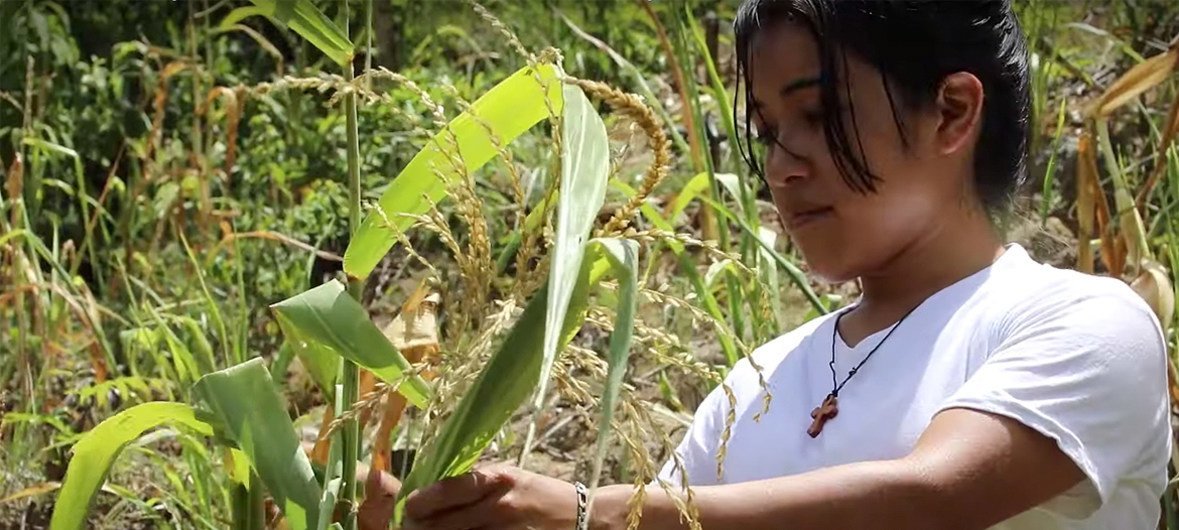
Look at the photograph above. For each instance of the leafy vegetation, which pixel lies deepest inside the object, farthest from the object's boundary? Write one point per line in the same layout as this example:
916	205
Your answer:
247	247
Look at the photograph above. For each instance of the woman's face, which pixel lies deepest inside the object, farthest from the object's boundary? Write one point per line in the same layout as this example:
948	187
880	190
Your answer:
844	234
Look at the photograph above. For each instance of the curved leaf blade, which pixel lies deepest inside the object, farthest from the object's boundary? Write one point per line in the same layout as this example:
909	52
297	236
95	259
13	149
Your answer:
585	166
97	449
509	377
326	319
305	19
509	109
244	401
623	256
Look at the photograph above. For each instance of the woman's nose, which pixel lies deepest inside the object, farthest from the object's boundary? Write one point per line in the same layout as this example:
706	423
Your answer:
784	165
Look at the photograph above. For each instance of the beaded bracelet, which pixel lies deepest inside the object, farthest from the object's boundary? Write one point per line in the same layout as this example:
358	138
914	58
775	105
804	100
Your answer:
582	506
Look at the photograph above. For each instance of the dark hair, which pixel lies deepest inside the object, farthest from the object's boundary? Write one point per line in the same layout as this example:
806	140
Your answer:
915	45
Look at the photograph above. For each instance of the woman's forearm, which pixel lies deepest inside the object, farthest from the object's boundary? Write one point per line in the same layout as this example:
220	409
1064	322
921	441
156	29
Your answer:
878	495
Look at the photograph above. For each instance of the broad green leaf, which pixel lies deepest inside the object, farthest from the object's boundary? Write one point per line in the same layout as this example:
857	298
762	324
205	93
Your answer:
97	449
327	319
305	19
253	415
509	377
585	166
508	109
623	255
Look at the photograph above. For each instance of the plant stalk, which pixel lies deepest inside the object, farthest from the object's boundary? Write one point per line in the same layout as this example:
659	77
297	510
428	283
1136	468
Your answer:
350	372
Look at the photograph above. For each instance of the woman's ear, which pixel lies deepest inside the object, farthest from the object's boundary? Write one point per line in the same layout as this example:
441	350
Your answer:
959	108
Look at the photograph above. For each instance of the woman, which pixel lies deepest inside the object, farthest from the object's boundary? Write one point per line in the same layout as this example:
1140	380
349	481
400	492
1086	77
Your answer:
969	386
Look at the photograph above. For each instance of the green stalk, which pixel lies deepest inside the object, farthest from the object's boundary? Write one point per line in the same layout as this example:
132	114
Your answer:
1128	216
351	373
732	287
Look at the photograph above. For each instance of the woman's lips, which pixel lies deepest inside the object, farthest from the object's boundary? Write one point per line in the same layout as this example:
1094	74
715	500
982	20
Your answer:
801	219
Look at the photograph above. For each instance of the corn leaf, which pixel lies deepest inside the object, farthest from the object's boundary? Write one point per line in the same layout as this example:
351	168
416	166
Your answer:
585	164
327	319
244	401
97	449
508	109
1134	82
509	377
305	19
623	256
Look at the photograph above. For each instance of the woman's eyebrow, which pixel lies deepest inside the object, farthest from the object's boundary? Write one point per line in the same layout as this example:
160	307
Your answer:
797	84
788	88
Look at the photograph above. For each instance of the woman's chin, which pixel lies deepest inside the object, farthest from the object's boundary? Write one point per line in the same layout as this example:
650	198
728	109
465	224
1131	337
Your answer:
828	269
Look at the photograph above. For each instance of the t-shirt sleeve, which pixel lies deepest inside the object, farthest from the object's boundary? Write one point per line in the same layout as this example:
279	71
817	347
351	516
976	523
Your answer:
1090	373
697	451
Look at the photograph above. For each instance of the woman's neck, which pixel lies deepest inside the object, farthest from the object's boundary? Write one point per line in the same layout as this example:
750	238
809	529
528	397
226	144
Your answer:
940	257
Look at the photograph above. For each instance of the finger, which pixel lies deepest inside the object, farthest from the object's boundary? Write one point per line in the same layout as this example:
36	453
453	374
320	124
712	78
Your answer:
377	482
453	493
486	513
380	498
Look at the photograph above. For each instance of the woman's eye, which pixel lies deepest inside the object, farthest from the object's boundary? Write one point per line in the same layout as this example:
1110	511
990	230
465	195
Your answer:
767	136
813	117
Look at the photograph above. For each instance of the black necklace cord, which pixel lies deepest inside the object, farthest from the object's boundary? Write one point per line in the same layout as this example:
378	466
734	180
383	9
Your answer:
835	388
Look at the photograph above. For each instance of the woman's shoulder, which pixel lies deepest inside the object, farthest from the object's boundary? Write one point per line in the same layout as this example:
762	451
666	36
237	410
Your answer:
1039	292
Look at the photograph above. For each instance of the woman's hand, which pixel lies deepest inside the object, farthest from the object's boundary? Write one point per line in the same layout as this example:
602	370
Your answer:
497	497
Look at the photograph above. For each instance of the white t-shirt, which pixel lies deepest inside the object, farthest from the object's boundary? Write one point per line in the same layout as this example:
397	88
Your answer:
1079	358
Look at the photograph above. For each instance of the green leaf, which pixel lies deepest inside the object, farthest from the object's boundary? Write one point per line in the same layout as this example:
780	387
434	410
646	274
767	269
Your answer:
97	449
509	377
240	14
508	109
305	19
690	191
623	255
585	165
326	319
254	417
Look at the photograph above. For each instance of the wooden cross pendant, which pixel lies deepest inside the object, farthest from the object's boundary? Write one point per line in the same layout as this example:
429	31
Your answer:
822	414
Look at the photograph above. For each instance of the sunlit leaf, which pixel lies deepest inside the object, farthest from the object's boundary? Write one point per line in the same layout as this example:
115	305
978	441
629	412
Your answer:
585	166
510	376
305	19
327	319
510	108
253	416
97	449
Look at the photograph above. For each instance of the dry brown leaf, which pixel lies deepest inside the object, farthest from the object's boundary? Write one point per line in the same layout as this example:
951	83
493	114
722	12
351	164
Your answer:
414	331
233	108
15	184
31	491
1086	200
323	442
416	327
1134	82
1113	246
368	382
1153	284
